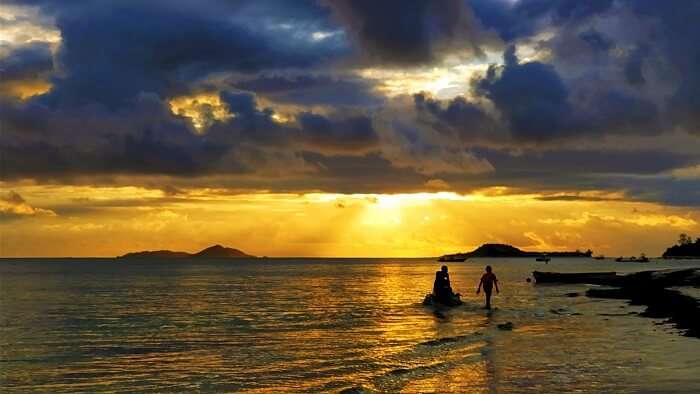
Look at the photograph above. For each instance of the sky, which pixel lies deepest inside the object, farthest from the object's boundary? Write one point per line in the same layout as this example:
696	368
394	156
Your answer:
348	128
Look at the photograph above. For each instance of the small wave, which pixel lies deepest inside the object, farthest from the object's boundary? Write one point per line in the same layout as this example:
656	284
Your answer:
393	380
459	338
415	370
357	390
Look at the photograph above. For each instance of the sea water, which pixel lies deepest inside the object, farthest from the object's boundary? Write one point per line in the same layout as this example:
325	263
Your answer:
326	325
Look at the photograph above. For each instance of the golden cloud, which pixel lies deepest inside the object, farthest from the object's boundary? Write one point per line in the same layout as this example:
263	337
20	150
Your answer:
202	109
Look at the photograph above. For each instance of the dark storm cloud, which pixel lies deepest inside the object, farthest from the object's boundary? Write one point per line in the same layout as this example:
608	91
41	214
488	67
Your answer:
405	32
615	112
605	69
38	142
596	40
370	173
664	189
313	90
538	105
458	117
348	134
250	124
634	65
531	96
675	30
147	139
254	125
564	10
26	62
112	51
501	16
641	175
567	161
523	18
661	41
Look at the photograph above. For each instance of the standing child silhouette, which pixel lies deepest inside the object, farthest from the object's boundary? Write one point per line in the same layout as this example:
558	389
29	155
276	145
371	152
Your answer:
488	280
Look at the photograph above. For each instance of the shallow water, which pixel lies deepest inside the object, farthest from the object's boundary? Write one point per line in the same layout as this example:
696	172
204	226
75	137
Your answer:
292	325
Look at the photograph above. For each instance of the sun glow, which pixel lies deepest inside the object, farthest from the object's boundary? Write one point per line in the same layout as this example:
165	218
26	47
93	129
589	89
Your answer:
451	78
24	25
24	89
442	82
75	221
202	109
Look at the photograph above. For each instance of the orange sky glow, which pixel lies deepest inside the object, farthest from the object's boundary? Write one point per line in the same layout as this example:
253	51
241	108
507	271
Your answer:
109	221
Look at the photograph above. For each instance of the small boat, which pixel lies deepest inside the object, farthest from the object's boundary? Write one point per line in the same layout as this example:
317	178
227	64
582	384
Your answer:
452	258
640	259
601	257
543	258
557	277
430	299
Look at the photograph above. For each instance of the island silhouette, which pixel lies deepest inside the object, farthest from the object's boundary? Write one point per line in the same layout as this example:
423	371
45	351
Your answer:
504	250
215	251
684	249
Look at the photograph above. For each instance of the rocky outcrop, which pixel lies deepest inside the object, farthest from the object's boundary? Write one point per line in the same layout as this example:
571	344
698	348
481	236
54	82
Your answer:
652	289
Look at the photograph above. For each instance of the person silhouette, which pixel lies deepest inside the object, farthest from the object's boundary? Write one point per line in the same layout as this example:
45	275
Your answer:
488	280
442	290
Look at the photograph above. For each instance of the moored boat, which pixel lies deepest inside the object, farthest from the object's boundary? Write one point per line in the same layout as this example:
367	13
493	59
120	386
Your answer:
452	258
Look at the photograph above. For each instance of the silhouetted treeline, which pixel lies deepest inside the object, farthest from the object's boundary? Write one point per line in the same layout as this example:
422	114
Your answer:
685	248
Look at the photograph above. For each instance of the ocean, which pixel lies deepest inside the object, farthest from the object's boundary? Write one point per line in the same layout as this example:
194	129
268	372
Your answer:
326	325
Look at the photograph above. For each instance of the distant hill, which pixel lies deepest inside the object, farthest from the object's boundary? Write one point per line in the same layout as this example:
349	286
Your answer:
686	249
503	250
216	251
155	254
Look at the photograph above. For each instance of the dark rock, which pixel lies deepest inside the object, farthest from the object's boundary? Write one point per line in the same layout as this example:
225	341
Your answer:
445	340
649	288
506	326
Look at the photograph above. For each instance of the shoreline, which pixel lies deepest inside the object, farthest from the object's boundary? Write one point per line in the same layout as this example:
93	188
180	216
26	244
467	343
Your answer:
650	289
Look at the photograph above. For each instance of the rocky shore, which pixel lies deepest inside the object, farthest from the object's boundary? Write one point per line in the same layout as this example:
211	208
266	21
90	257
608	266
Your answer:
653	289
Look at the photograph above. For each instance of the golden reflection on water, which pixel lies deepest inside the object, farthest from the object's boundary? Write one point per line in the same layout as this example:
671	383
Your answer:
317	327
470	378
